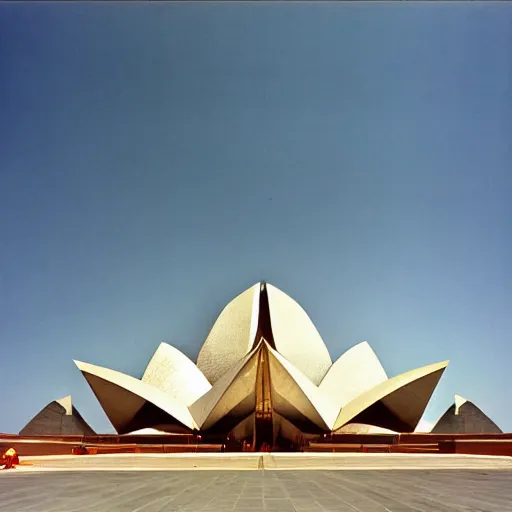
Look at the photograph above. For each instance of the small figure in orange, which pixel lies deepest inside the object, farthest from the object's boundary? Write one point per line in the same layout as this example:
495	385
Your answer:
9	459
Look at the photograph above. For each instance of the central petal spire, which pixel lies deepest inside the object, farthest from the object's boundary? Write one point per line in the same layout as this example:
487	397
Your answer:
264	311
264	329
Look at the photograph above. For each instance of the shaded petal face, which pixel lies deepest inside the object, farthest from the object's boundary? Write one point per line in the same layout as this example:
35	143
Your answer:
397	403
123	397
355	372
292	393
173	373
292	390
235	389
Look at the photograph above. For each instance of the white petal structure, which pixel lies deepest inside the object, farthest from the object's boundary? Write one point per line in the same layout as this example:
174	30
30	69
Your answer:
292	392
398	403
122	397
292	389
176	375
263	371
459	402
354	373
295	336
236	388
232	336
264	310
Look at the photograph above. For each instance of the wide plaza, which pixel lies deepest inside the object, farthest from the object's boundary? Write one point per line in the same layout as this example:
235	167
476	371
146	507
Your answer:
263	482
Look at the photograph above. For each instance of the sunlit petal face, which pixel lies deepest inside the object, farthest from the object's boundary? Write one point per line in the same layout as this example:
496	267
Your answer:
173	373
355	372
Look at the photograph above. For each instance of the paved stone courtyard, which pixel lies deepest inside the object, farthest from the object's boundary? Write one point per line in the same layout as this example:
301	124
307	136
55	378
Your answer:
438	490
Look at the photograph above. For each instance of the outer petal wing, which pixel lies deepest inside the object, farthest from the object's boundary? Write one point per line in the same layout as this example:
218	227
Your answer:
397	403
122	396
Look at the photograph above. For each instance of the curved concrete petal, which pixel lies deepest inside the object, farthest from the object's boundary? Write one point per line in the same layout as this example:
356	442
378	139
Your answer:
295	336
232	335
237	386
176	375
235	391
354	372
122	396
290	383
405	396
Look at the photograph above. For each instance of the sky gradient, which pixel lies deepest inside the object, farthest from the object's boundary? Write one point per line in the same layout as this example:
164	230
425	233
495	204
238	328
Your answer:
158	159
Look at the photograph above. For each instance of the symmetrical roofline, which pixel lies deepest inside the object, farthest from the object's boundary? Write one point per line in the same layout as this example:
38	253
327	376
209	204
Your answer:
263	326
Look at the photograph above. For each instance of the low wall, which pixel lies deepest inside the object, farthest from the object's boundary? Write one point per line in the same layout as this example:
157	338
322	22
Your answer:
478	444
44	447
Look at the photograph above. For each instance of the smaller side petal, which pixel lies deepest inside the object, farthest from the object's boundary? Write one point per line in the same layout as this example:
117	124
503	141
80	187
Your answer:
354	372
176	375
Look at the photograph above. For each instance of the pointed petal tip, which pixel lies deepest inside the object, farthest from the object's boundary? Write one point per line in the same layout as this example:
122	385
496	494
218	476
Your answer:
434	366
81	365
359	345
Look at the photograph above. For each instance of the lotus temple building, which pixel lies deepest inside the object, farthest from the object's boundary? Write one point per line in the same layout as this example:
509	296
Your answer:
263	375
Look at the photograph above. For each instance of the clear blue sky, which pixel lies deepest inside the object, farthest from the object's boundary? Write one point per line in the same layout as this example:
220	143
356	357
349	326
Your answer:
157	159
